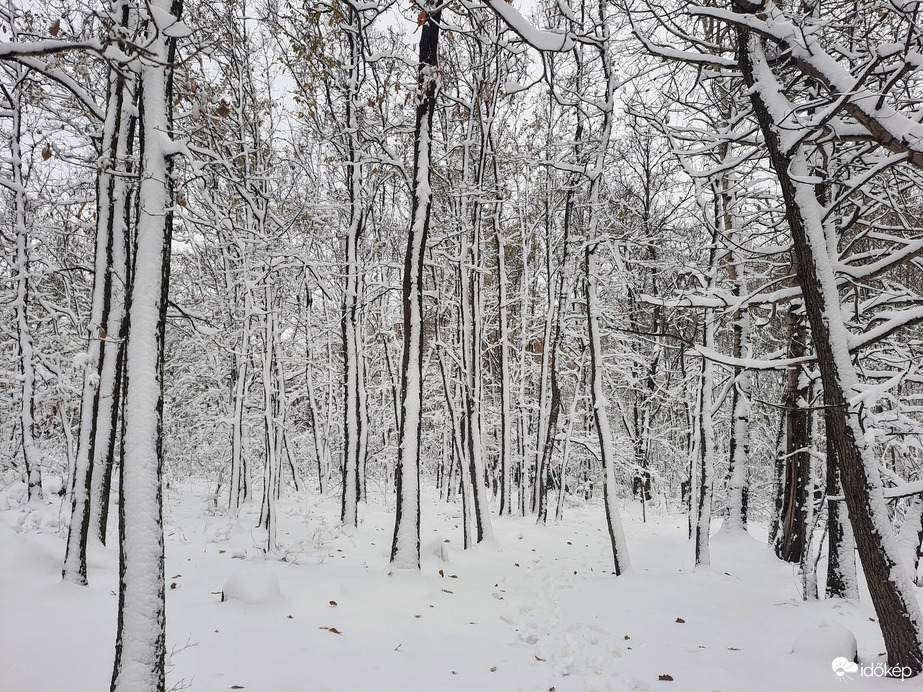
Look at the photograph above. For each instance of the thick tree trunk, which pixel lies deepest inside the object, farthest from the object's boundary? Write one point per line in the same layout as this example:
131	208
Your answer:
139	652
891	590
405	547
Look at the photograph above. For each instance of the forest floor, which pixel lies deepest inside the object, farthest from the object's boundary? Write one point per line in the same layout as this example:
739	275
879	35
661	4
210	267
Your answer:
535	609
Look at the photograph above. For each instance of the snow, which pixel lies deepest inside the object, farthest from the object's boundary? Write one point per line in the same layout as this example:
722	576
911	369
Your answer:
142	580
539	605
551	41
253	587
826	641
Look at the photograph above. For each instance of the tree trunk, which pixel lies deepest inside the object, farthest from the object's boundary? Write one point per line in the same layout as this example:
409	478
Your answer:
739	444
352	374
506	408
139	652
796	461
910	537
75	568
599	400
405	547
31	454
109	392
841	546
601	415
273	457
891	591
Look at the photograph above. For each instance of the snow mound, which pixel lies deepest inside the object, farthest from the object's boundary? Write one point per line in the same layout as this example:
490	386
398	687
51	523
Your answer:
253	588
826	641
53	485
439	548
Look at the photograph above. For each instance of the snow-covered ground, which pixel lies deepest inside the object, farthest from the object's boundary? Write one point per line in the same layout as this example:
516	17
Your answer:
538	609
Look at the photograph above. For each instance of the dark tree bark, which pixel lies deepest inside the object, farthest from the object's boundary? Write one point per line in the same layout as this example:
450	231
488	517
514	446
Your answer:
352	373
141	634
841	547
891	591
796	458
405	547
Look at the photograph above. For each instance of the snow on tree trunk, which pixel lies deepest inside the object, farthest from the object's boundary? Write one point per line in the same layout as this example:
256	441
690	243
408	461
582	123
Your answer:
458	451
891	590
241	364
739	444
910	537
30	451
778	483
469	339
568	440
841	546
139	652
506	407
598	398
544	395
601	414
405	547
555	332
108	214
352	375
808	561
321	446
109	391
705	426
694	449
796	455
272	470
706	451
523	405
363	423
